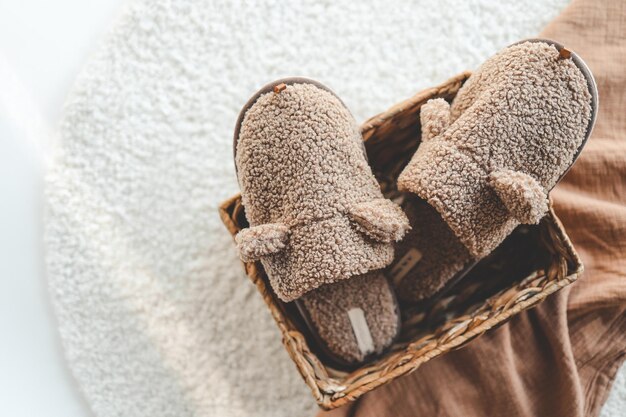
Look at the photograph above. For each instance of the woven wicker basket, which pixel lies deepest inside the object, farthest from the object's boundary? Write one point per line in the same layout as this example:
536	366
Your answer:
531	264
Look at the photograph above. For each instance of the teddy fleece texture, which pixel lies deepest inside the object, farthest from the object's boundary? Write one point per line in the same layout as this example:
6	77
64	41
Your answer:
316	212
442	253
317	215
512	131
328	309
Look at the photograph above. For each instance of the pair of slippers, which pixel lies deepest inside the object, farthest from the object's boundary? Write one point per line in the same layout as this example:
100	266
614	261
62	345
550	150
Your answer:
322	229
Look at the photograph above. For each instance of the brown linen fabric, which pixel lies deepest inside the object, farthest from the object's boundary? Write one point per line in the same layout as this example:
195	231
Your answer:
558	359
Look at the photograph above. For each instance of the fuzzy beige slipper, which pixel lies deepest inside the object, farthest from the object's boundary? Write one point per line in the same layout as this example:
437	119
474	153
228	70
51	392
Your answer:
318	221
488	160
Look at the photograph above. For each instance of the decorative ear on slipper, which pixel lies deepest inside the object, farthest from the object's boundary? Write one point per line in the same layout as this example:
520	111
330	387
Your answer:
434	117
380	219
522	195
262	240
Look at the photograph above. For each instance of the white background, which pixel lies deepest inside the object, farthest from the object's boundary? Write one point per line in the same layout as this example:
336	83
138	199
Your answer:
43	45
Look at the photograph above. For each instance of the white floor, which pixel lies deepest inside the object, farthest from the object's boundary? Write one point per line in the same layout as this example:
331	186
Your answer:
43	45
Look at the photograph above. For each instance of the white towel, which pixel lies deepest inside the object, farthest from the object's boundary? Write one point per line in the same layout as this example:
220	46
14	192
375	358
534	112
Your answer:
155	312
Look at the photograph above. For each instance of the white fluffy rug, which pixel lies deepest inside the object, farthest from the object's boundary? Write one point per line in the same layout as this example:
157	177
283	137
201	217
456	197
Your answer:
156	315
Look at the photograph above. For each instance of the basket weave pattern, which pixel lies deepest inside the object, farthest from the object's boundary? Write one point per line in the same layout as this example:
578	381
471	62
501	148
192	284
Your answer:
390	139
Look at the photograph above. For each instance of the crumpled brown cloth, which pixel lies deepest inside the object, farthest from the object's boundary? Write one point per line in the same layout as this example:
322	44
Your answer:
560	358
